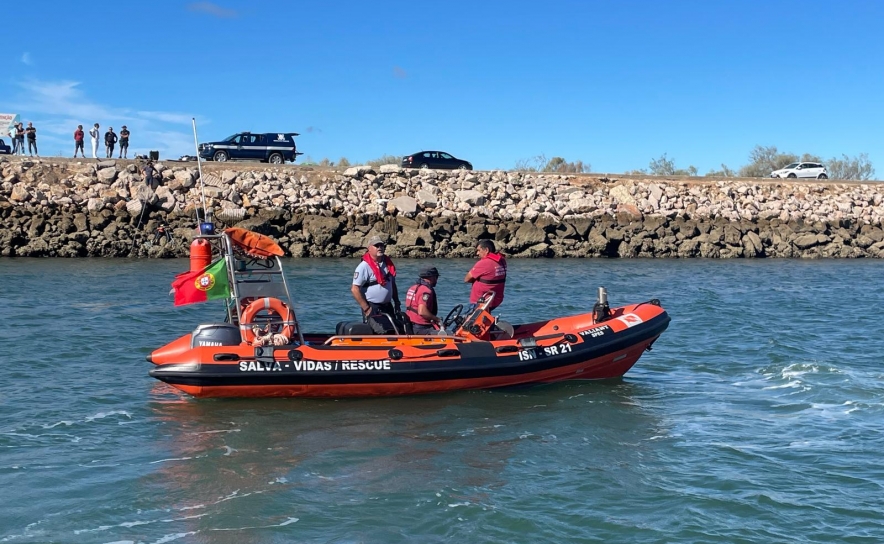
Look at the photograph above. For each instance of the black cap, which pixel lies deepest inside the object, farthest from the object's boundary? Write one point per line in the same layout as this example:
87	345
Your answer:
428	272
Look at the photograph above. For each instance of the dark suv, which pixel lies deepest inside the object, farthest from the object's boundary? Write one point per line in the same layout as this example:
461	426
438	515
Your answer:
5	149
272	147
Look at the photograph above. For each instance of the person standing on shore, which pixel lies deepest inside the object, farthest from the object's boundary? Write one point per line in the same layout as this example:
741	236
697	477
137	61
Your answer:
11	134
20	138
150	174
124	142
489	274
78	141
32	139
94	133
110	139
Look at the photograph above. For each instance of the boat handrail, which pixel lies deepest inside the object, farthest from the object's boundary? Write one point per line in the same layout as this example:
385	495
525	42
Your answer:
448	337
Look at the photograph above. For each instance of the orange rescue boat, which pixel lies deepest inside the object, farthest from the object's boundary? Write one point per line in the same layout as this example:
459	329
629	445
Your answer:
260	350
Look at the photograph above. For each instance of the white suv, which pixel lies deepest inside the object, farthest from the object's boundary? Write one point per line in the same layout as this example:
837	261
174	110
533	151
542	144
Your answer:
801	170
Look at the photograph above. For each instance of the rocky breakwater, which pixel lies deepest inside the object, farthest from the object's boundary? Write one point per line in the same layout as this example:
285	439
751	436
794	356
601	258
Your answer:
70	208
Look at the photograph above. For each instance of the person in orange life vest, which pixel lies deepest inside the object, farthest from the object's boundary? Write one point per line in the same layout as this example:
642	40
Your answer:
489	274
420	301
374	282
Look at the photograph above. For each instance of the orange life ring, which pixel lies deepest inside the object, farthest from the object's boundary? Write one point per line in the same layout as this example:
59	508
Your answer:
273	305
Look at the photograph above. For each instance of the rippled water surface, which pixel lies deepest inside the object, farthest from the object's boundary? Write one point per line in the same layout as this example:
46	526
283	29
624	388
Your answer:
756	418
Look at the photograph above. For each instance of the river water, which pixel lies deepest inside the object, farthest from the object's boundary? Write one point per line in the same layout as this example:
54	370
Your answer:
756	418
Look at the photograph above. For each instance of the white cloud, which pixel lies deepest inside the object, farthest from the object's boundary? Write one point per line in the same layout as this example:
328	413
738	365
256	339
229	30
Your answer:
26	58
57	107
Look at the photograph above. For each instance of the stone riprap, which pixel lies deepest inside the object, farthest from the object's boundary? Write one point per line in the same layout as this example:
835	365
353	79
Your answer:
69	208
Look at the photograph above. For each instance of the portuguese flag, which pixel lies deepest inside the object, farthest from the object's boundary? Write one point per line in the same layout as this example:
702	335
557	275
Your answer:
207	284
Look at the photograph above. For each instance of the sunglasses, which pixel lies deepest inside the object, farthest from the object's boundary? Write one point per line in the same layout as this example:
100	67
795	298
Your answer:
380	245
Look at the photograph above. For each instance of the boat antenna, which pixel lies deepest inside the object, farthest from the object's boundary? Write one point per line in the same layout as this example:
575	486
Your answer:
199	165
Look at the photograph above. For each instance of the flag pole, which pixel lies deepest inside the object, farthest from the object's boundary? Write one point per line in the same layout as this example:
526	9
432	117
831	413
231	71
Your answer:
199	165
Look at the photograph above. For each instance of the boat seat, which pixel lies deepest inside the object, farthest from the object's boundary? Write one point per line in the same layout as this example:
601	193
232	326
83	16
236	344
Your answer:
382	324
502	330
353	328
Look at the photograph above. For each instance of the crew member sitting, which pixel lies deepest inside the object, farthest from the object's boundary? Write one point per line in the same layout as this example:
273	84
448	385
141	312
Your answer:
374	282
420	302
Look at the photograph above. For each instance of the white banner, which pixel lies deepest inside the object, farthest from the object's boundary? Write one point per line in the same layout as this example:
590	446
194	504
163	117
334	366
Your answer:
7	121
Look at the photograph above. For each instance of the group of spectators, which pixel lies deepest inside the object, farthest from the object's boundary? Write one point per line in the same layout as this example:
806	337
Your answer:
374	285
18	133
110	141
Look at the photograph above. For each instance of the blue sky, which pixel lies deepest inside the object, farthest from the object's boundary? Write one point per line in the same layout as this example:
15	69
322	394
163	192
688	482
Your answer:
614	83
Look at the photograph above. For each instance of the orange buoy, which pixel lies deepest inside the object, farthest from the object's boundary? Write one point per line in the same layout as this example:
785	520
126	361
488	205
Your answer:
200	254
269	306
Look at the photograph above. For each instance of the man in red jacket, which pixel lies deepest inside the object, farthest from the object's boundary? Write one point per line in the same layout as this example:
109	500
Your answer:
489	274
78	141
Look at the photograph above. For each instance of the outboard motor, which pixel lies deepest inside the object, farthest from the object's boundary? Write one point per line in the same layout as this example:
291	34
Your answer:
215	334
601	311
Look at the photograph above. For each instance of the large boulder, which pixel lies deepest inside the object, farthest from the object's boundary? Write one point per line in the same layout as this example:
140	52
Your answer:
107	175
471	197
321	230
404	204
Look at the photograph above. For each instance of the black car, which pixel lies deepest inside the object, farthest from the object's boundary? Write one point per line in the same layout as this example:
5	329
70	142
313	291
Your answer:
435	159
272	147
4	149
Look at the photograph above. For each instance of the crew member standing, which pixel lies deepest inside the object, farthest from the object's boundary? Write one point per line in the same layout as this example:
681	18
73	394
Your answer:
78	141
31	131
374	282
124	142
420	301
489	274
95	134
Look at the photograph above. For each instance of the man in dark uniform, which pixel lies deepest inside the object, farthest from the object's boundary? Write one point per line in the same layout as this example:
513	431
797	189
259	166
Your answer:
19	139
110	139
124	142
31	132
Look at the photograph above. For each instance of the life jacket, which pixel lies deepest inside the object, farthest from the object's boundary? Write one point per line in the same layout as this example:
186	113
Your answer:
380	279
413	300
